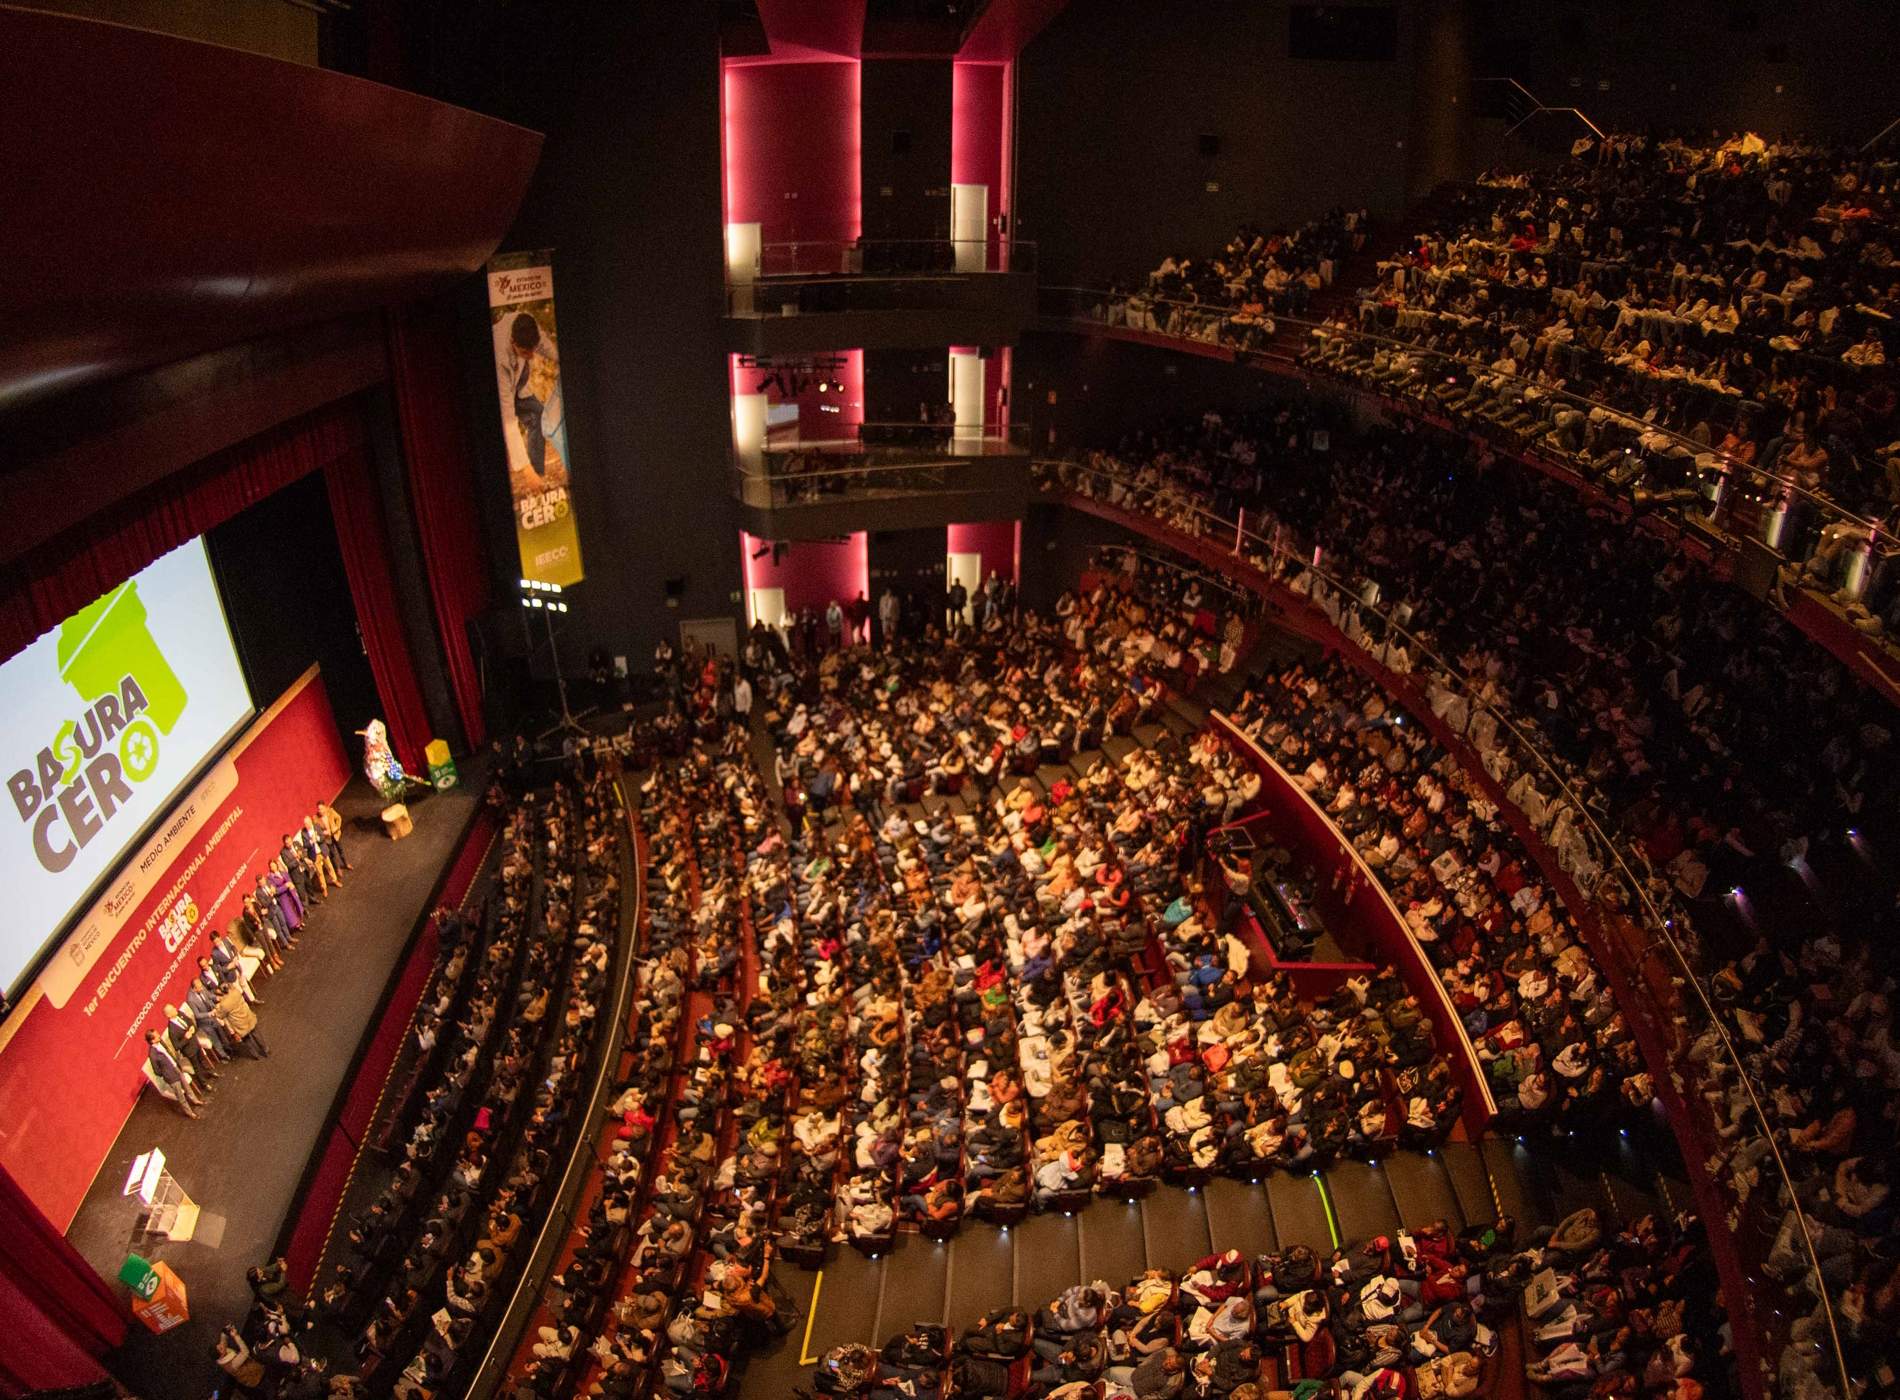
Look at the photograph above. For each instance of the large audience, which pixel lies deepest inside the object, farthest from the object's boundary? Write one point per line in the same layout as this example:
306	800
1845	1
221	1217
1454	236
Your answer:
1740	294
1235	294
1626	1313
1723	751
501	1042
856	1013
1711	320
1107	1026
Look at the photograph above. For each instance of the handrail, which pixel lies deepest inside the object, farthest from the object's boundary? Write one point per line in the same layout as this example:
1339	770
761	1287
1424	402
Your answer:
942	436
1442	996
1661	926
938	463
854	243
1537	107
1728	464
1879	135
792	260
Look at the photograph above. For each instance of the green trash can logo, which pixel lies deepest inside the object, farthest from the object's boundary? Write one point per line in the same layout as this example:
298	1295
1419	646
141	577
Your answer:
108	655
86	773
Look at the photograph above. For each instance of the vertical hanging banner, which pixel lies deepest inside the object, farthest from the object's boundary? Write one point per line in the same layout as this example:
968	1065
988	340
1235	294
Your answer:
534	415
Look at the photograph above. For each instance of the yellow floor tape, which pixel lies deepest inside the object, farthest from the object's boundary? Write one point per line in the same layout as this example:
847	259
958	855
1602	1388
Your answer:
805	1358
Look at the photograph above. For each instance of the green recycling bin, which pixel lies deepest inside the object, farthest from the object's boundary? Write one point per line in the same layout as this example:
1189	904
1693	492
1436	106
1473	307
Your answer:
138	1275
103	644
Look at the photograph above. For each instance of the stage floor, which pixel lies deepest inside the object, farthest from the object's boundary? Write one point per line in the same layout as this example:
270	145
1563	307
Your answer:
243	1157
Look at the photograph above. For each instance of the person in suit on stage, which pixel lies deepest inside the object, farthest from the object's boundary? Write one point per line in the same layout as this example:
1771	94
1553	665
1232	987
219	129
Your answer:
191	1045
203	1003
227	959
165	1064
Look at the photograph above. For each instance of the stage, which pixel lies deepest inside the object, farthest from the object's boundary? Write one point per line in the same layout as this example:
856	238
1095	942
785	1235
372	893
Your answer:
244	1157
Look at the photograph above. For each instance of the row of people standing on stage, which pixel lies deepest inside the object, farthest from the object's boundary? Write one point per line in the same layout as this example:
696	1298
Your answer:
217	1018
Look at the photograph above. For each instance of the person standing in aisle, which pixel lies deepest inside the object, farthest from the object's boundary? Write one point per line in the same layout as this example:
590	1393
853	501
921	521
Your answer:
887	612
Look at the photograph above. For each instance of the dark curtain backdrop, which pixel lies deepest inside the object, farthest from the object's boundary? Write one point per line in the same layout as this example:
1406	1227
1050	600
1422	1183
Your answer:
364	542
287	598
59	1314
47	585
424	376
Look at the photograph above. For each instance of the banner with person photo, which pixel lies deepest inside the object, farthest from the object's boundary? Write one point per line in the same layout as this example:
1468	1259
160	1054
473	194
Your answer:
534	416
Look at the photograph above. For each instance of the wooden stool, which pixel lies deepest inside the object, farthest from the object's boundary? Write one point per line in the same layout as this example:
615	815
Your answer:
396	821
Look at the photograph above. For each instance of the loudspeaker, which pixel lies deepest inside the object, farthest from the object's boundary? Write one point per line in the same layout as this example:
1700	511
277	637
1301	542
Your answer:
1210	144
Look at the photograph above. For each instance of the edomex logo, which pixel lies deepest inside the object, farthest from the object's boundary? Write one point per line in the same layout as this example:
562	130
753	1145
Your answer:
87	771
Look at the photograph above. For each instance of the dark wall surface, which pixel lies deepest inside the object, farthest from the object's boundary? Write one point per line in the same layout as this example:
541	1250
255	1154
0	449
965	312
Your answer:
1820	66
1116	94
628	197
904	147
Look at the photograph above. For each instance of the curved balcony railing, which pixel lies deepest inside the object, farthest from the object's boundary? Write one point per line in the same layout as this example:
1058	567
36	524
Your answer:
882	460
892	257
1650	466
1773	1265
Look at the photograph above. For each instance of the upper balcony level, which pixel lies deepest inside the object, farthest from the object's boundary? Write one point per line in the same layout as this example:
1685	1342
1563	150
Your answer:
882	476
791	298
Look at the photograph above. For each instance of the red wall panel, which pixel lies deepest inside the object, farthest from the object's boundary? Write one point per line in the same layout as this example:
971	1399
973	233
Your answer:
812	572
791	153
996	541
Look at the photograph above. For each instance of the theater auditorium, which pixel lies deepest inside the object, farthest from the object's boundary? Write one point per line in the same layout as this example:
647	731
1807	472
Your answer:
950	700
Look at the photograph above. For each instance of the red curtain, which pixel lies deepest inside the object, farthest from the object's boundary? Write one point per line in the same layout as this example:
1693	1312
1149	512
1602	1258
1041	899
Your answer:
423	373
364	540
47	585
60	1315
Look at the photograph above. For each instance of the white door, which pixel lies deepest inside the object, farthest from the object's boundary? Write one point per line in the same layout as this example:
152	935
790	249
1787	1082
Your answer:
749	413
766	605
970	226
966	400
743	250
966	569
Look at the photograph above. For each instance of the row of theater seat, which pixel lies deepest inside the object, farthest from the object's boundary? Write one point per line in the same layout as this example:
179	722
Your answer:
1030	1023
1730	759
1623	1313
